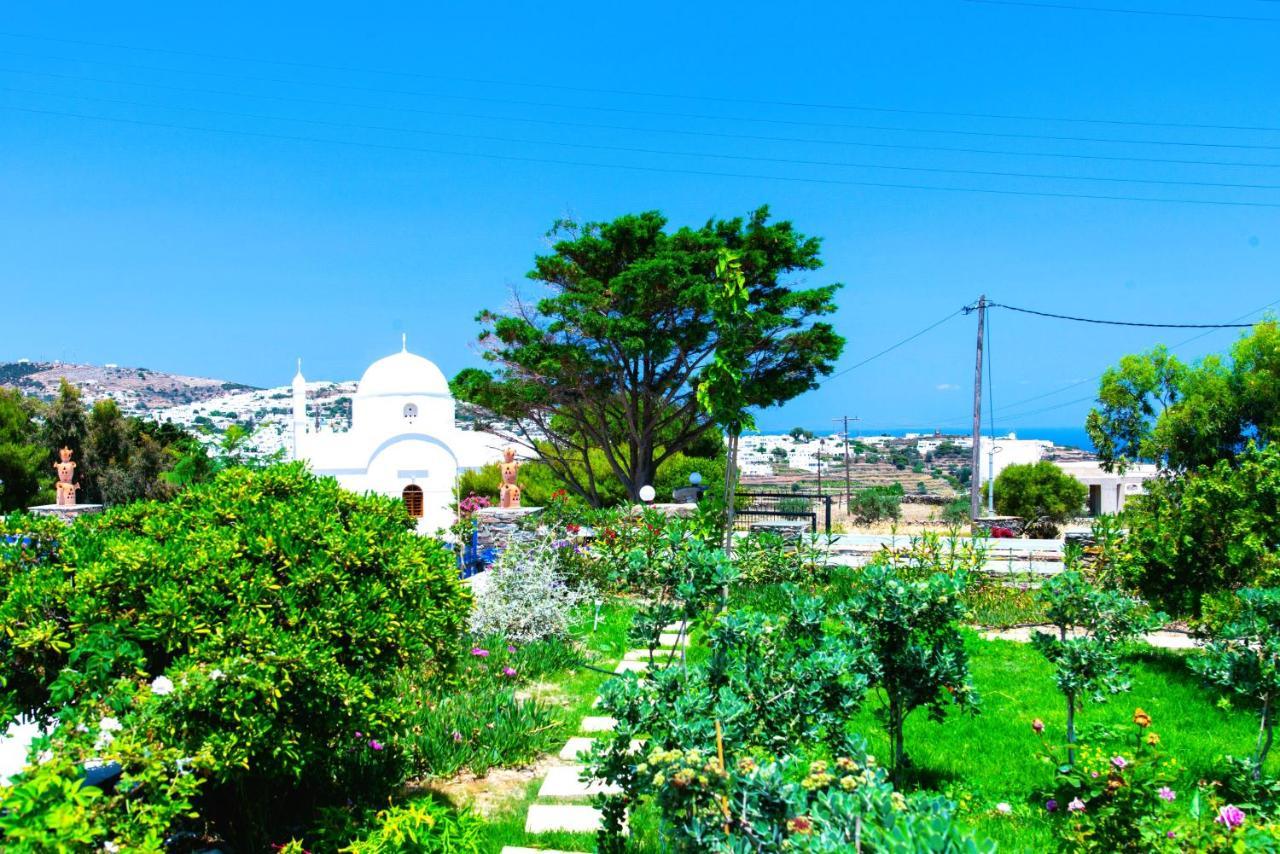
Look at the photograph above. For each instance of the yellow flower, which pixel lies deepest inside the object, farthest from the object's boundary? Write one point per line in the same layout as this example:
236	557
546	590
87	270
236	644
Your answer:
848	783
899	802
1153	739
1141	718
659	779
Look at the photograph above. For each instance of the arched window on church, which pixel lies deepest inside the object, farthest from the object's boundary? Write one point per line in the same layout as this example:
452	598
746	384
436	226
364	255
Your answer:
411	411
413	500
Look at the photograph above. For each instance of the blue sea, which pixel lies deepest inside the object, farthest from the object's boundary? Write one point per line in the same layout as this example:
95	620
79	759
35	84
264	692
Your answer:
1070	437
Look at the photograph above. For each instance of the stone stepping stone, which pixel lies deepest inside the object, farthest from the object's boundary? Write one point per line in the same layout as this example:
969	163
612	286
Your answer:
569	818
597	723
658	655
670	640
516	849
631	667
565	781
581	744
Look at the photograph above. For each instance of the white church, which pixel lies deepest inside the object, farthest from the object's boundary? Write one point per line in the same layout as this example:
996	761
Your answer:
403	440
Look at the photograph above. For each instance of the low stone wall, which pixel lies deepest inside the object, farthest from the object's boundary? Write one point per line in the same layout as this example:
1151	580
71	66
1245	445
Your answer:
983	526
932	500
681	510
790	530
498	526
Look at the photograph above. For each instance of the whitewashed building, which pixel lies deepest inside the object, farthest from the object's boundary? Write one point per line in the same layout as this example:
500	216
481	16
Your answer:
403	441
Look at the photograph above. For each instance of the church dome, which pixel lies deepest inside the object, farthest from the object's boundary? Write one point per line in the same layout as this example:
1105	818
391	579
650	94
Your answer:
403	373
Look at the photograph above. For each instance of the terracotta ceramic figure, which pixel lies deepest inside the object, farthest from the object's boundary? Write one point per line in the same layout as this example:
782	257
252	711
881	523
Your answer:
66	470
509	494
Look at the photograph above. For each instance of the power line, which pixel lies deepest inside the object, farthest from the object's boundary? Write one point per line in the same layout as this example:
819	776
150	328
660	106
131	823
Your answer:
987	173
648	169
639	93
637	129
1120	11
893	347
1122	322
666	113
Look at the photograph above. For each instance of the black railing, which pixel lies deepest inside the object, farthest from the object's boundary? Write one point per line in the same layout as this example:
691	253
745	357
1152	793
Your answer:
751	505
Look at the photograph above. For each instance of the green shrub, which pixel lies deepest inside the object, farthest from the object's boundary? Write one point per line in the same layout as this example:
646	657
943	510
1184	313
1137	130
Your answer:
1040	493
420	827
527	596
265	619
876	503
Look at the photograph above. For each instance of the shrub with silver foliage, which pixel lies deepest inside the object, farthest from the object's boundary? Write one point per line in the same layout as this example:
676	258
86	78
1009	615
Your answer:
527	597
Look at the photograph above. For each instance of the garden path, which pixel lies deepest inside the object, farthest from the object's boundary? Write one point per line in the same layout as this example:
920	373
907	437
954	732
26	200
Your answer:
1162	639
559	805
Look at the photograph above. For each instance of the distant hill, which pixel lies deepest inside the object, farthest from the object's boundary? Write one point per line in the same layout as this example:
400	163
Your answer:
205	407
139	391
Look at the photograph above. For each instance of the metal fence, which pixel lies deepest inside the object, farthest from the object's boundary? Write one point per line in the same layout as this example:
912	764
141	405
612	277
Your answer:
752	506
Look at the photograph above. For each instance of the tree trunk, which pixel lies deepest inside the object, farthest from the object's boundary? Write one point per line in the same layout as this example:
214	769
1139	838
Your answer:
1071	728
731	463
1264	738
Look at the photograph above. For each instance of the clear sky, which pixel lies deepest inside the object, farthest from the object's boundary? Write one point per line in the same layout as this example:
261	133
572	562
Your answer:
275	180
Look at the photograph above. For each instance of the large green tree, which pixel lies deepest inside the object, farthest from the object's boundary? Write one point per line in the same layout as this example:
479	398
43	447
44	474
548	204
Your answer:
1040	493
1154	407
22	458
610	354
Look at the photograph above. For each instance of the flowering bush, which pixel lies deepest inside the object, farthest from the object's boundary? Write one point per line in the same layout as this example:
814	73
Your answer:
1120	795
251	625
527	596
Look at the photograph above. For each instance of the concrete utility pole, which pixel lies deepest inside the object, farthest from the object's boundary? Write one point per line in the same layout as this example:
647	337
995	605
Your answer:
848	487
975	490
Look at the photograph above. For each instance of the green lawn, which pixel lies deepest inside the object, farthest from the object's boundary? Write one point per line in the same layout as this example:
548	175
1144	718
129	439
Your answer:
995	756
992	757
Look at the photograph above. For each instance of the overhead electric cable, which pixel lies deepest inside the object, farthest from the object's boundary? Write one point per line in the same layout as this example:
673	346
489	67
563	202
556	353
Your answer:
638	168
635	111
636	93
893	347
636	129
791	161
1121	322
1122	11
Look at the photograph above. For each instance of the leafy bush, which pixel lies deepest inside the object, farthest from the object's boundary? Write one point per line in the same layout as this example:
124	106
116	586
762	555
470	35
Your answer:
876	503
1040	493
254	624
912	627
1092	624
956	512
527	596
1209	531
1244	657
764	558
421	827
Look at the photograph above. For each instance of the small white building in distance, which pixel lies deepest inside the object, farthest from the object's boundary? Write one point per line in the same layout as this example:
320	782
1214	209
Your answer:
403	441
1108	491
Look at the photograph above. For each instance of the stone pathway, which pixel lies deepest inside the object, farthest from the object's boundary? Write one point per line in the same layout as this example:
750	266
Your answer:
559	805
1161	639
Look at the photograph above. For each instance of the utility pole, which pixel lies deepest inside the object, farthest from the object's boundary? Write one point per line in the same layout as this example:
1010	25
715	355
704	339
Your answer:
975	490
820	446
848	487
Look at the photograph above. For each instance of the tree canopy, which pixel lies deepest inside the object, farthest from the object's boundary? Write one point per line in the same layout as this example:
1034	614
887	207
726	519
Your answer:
1152	406
1041	493
611	355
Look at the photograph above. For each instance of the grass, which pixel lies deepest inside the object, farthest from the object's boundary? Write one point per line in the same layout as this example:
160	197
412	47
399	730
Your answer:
995	756
979	760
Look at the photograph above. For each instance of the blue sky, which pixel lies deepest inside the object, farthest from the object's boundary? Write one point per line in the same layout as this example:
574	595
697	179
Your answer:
261	190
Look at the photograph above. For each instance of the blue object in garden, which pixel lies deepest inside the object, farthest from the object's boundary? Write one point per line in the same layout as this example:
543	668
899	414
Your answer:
473	560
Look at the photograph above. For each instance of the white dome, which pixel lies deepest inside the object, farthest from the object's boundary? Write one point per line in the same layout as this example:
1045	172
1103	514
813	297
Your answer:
403	373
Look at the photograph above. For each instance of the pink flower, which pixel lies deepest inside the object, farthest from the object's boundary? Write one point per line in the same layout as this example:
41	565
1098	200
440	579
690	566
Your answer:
457	736
1076	805
1037	725
483	653
1119	762
508	671
375	744
511	649
359	734
1231	816
1167	794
